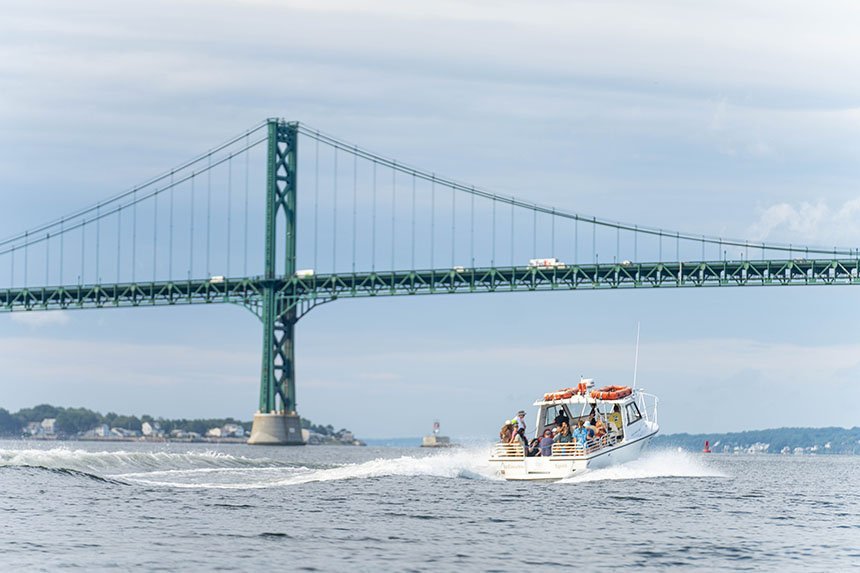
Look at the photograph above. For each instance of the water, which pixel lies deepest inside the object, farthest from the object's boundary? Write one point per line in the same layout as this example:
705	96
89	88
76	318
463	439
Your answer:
150	507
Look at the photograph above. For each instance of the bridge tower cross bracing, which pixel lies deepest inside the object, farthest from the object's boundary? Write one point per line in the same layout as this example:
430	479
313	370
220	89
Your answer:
276	421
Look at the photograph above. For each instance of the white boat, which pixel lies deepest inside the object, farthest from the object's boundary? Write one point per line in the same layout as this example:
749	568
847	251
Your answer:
630	416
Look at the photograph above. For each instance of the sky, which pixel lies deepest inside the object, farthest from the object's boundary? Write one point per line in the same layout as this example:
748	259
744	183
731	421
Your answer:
731	119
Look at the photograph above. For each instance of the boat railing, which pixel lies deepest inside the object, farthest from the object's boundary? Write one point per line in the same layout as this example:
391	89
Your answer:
579	449
560	450
508	450
648	405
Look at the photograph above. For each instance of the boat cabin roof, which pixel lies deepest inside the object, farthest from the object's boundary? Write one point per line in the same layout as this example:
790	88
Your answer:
587	399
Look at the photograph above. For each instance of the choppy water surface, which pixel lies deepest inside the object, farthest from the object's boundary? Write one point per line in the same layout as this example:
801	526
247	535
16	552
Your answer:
188	507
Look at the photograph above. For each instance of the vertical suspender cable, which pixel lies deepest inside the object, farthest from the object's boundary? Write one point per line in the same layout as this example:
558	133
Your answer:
660	248
678	247
118	241
155	236
594	238
62	241
493	256
191	235
393	209
432	220
26	255
98	242
316	196
354	204
472	229
334	218
617	244
512	230
208	215
47	258
576	240
229	211
552	245
134	235
373	224
453	222
413	221
534	231
636	243
247	175
170	241
12	268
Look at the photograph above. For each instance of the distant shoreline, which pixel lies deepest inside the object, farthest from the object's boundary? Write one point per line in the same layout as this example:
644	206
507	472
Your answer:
146	440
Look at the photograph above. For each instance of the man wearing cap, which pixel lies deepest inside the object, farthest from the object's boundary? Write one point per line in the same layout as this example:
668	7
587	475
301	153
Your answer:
520	432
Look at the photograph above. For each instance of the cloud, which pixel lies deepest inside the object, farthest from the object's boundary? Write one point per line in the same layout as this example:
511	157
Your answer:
811	223
41	319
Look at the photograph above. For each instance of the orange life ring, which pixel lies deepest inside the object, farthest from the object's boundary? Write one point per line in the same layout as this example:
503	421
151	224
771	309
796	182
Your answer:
611	392
562	394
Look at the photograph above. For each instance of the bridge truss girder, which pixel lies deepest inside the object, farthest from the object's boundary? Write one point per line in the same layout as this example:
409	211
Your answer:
303	293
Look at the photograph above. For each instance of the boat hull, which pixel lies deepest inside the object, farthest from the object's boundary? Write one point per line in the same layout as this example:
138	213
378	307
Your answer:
555	468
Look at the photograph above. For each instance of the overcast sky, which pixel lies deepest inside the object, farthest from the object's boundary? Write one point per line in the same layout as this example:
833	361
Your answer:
736	119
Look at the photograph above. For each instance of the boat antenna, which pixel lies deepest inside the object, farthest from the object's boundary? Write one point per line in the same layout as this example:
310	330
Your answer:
636	360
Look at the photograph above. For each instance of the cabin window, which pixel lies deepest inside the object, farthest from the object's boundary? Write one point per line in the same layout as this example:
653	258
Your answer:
633	414
550	414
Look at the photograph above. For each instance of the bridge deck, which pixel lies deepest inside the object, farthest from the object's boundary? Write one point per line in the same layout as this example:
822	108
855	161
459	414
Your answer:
246	291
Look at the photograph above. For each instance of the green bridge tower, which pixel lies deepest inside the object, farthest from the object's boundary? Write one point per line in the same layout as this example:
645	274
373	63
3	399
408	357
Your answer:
276	422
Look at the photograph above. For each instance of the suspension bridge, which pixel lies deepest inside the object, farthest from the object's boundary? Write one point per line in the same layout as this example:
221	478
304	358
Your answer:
223	228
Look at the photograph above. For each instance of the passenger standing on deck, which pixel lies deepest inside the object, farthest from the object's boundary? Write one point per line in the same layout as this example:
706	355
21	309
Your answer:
520	431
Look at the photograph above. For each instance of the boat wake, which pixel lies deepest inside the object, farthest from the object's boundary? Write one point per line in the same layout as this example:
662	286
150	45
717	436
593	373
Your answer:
106	463
465	464
655	464
217	470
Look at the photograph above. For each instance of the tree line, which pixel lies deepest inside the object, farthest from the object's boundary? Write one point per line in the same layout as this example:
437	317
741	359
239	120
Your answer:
73	421
840	440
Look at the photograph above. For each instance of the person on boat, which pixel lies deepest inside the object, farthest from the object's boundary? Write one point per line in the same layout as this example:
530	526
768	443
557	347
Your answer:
506	432
520	431
564	436
561	418
590	429
599	428
579	434
534	448
615	417
521	420
546	443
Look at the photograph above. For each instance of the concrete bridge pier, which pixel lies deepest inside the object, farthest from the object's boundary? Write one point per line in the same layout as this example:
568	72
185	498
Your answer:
276	429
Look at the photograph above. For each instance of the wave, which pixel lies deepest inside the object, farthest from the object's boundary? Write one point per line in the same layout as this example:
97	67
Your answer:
465	464
655	464
111	462
66	472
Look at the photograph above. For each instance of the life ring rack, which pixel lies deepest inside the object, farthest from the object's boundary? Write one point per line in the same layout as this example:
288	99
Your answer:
611	392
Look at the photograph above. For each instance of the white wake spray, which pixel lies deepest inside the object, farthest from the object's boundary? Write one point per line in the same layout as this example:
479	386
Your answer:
655	464
107	463
460	463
